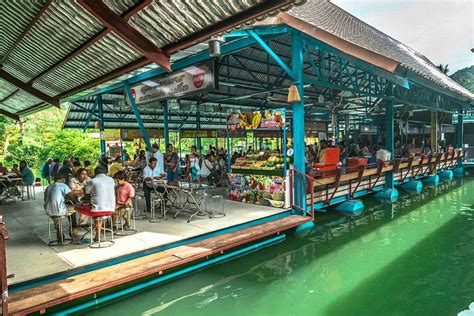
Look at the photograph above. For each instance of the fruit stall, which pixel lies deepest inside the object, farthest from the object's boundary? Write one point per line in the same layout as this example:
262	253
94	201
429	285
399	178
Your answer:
260	176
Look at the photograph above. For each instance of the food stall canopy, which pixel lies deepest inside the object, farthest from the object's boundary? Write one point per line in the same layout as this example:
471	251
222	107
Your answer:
52	49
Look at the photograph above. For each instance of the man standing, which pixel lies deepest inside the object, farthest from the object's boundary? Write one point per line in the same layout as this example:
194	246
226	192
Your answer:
171	165
45	171
158	155
150	173
102	191
53	168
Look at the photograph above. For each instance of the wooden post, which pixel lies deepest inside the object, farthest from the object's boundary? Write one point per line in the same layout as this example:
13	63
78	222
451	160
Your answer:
3	267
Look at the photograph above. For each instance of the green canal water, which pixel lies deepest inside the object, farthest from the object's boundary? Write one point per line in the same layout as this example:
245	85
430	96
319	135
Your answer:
415	257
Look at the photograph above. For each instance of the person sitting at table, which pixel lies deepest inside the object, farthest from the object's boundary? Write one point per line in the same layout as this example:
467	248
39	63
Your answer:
66	170
102	193
205	168
76	165
15	170
322	152
89	168
152	172
115	166
171	164
26	174
78	185
124	195
55	202
3	170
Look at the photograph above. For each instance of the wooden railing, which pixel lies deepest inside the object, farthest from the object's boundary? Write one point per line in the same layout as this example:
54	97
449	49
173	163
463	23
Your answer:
305	185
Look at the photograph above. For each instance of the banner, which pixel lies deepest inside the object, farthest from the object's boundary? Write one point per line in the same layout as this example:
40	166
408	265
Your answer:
131	134
197	133
256	120
177	84
110	135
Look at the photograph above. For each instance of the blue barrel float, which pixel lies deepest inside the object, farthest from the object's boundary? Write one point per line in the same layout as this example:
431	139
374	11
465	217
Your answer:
446	175
415	186
390	195
458	172
351	207
431	180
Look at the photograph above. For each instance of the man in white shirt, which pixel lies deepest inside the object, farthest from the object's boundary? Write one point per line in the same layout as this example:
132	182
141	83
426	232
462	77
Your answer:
159	158
102	191
150	173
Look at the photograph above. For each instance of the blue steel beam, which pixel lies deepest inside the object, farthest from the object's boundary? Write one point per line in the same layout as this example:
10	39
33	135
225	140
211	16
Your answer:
165	122
137	115
389	135
298	112
270	52
261	31
101	118
226	48
96	103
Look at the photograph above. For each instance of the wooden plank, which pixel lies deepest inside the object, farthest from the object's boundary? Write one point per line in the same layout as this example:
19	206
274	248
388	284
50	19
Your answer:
45	296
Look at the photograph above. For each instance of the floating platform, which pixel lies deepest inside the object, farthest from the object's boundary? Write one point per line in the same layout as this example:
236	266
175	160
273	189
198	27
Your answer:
90	285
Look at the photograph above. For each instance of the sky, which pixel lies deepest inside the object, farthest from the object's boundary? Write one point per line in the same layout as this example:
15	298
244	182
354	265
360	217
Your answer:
442	30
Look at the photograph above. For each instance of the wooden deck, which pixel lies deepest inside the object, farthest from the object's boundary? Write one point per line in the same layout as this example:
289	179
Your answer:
348	183
38	299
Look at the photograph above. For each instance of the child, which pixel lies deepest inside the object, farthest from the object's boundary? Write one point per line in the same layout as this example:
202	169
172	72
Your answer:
124	194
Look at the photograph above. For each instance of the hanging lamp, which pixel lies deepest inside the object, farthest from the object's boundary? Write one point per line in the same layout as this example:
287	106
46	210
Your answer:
293	94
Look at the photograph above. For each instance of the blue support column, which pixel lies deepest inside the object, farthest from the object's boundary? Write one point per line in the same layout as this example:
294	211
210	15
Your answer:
298	109
460	133
198	126
137	115
389	131
100	105
165	123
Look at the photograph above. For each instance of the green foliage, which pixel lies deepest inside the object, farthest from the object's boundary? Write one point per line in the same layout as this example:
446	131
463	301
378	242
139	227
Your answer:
465	77
40	136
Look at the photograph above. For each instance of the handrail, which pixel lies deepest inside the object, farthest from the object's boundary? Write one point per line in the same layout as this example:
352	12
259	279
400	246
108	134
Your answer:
303	182
3	267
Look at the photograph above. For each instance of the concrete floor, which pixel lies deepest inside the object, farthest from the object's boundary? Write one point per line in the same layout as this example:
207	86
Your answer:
29	256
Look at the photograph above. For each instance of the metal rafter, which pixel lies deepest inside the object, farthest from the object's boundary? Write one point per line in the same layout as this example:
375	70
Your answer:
28	88
10	115
120	26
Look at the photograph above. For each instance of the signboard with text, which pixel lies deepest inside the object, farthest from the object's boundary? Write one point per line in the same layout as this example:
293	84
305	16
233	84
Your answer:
177	84
131	134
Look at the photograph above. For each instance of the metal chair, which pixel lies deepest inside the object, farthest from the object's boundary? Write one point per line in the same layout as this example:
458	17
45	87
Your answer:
30	192
157	200
131	219
102	243
217	203
61	233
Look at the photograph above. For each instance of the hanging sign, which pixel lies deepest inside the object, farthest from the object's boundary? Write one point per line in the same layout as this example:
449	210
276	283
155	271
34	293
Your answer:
197	133
256	120
318	126
177	84
110	135
131	134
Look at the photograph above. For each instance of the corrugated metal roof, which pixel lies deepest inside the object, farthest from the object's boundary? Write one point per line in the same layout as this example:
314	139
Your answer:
329	17
57	47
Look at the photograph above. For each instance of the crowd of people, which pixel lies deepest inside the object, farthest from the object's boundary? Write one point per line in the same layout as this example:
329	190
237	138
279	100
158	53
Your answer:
79	191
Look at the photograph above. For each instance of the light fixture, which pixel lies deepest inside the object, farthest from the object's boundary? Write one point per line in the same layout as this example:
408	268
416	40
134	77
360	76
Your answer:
293	94
97	125
215	46
321	98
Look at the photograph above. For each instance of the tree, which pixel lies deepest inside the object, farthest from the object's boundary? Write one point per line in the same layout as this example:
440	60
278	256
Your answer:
443	68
